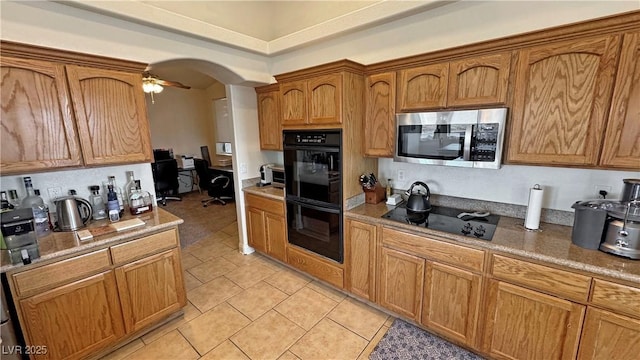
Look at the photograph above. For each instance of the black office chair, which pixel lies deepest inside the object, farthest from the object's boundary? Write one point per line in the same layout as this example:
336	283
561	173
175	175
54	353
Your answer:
165	178
218	184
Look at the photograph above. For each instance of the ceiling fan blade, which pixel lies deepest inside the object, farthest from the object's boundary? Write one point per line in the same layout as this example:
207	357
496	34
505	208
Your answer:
172	83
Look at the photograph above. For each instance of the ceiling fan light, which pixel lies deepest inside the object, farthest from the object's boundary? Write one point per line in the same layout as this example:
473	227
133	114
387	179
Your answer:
148	86
157	88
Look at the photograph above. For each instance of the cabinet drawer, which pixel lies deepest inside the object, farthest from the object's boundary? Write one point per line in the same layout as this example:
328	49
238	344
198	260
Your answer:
263	203
457	255
147	245
31	281
547	279
314	265
621	298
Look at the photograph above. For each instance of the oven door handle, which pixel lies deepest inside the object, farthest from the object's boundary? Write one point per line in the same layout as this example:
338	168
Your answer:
313	206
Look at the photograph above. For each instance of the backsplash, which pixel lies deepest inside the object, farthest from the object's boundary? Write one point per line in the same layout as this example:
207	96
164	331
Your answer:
509	184
79	180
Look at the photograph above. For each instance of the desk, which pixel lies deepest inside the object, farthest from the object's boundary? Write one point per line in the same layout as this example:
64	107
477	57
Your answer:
193	179
222	168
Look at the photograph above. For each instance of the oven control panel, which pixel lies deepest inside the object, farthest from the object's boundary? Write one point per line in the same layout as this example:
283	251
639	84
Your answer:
311	138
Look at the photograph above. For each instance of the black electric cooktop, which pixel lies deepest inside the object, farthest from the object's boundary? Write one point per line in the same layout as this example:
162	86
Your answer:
445	219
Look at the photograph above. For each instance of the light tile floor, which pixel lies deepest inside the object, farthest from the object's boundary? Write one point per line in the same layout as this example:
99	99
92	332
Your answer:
251	307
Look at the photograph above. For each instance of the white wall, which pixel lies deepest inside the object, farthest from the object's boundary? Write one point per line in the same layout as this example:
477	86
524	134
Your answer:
182	120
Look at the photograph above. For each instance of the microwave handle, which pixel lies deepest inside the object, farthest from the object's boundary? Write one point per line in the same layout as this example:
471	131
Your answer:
466	150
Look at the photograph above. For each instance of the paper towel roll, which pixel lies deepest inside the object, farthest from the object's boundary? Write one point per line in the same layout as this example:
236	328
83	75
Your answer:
534	208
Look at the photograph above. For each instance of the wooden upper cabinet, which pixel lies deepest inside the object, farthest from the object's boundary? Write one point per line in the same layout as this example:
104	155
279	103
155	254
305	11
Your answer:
482	80
621	147
294	103
561	97
111	115
423	87
269	120
325	99
379	124
38	129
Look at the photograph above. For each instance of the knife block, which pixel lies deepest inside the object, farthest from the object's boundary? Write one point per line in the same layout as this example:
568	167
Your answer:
375	195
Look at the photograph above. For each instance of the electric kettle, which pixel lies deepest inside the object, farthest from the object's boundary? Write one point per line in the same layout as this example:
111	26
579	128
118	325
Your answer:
73	212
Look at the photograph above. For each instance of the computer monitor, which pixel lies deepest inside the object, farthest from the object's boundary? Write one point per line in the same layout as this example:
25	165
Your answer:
205	154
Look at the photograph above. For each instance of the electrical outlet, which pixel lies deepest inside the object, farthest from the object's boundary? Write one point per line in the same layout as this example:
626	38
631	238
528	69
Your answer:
400	175
599	189
243	168
54	192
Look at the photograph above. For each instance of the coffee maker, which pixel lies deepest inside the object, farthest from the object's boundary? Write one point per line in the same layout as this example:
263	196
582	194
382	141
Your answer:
266	174
18	230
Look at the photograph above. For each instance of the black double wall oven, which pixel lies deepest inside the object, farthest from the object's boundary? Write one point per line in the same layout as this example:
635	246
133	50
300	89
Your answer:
313	182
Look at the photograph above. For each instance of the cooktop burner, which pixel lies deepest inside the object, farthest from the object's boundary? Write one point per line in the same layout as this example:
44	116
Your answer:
445	219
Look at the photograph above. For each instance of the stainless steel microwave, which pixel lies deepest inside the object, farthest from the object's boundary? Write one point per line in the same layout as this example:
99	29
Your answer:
466	138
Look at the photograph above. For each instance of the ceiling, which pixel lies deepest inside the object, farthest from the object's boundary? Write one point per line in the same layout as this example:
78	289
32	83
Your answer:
264	27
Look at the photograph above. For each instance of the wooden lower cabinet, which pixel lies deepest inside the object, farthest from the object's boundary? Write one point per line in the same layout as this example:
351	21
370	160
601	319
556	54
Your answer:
451	302
360	255
525	324
266	226
401	279
150	289
76	319
607	336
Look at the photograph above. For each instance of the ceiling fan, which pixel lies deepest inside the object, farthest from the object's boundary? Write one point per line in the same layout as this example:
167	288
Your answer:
152	84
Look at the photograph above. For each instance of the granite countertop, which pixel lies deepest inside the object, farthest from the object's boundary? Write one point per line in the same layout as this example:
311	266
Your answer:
552	245
59	244
267	191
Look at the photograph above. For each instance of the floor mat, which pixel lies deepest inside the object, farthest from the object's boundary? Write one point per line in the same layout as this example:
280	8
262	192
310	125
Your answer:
405	341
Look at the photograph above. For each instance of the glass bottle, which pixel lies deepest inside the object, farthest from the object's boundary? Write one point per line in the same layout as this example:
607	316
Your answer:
129	187
389	189
118	191
112	204
14	199
38	208
97	203
140	201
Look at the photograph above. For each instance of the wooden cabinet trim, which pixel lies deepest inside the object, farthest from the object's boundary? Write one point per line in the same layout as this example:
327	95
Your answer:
147	245
314	265
51	275
460	256
546	279
320	70
616	297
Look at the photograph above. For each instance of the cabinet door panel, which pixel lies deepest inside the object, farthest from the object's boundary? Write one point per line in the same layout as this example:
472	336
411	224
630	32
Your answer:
524	324
294	103
276	229
401	282
111	115
423	87
269	121
479	81
74	320
451	300
325	99
561	95
150	289
608	336
38	130
621	147
360	245
379	125
255	229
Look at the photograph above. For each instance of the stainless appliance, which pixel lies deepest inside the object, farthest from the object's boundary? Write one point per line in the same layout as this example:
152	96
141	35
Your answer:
277	173
11	346
466	138
630	190
622	235
72	212
451	220
313	184
266	176
18	229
